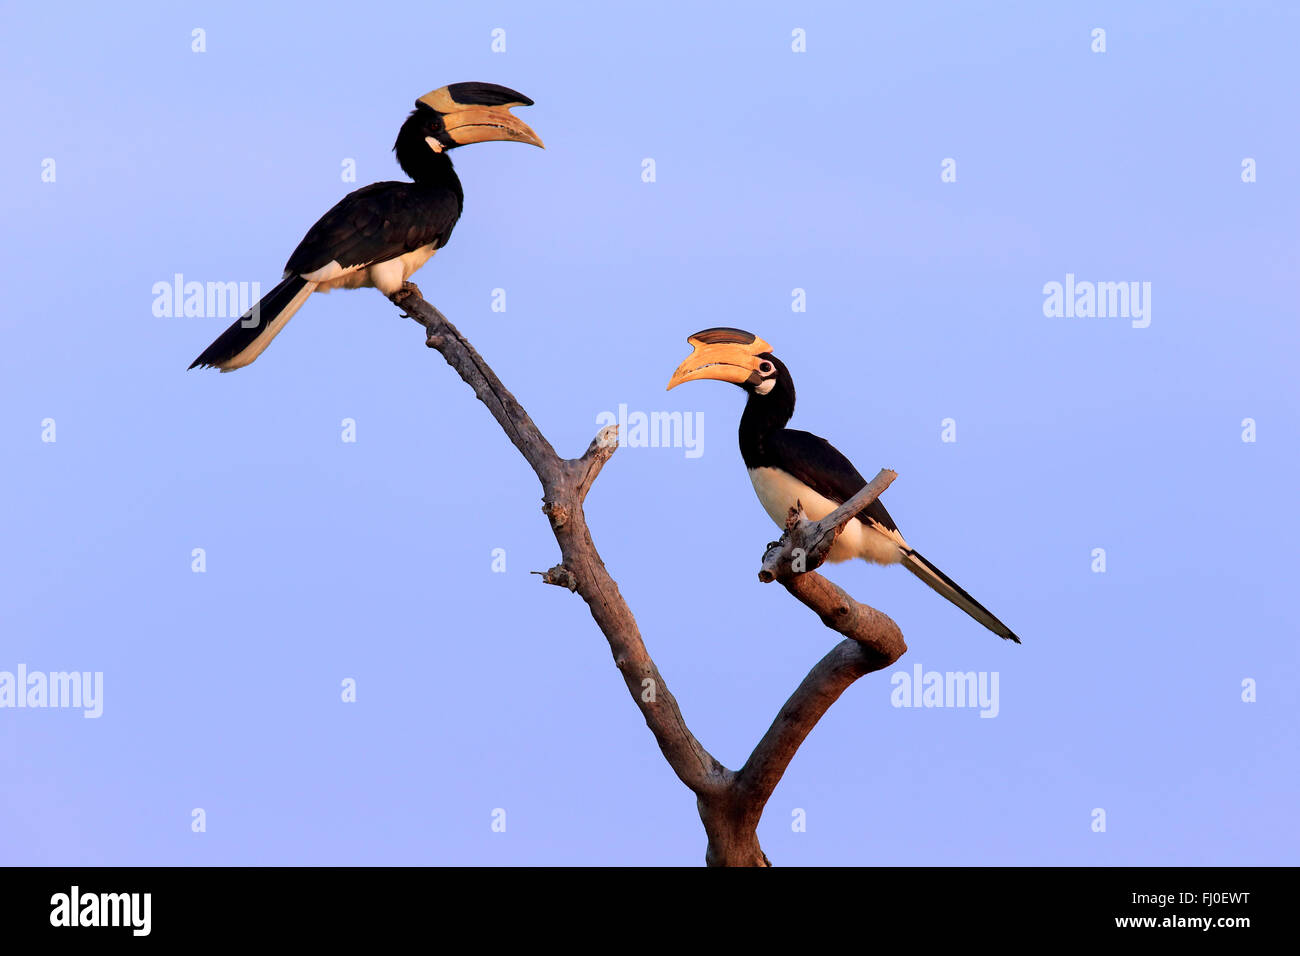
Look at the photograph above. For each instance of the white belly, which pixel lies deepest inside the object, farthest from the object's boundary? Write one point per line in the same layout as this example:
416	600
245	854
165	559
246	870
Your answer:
778	491
387	277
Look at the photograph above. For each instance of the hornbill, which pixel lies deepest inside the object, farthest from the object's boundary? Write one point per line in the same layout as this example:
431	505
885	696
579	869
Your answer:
380	234
786	465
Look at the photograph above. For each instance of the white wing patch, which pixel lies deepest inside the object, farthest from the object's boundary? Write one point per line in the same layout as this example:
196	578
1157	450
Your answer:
331	270
386	276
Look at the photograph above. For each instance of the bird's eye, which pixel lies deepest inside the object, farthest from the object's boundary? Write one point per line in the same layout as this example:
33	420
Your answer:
765	367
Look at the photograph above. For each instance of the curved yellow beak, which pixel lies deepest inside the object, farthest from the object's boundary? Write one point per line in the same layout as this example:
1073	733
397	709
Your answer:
480	124
725	355
479	113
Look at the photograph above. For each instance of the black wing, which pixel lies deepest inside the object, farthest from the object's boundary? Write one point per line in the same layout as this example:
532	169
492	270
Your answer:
377	223
819	465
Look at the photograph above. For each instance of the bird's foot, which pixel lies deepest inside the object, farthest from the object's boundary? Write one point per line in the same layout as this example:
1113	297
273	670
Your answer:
407	290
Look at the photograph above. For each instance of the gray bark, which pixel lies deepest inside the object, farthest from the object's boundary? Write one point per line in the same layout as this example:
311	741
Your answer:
730	802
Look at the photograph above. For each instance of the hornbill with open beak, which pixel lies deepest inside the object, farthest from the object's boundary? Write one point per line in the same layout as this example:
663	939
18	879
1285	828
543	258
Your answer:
786	465
379	235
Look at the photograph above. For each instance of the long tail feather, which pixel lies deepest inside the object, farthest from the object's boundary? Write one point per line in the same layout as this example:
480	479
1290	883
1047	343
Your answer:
252	332
945	586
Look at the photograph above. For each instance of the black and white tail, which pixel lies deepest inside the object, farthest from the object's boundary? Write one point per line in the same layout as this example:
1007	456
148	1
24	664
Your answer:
947	587
253	331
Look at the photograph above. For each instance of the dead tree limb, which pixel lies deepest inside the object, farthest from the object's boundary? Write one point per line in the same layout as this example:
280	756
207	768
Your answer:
730	802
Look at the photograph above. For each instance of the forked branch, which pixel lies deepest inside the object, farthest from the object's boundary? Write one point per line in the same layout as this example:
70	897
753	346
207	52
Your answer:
730	802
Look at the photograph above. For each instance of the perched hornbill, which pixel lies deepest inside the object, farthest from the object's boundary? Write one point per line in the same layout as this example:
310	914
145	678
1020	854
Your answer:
788	466
380	234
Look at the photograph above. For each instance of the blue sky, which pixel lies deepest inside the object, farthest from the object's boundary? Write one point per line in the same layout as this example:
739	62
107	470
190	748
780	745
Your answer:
372	560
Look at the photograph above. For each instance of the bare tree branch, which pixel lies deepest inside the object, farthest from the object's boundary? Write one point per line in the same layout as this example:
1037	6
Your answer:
565	484
461	356
730	803
847	661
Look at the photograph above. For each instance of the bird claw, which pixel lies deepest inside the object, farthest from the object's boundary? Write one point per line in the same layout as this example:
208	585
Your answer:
407	290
